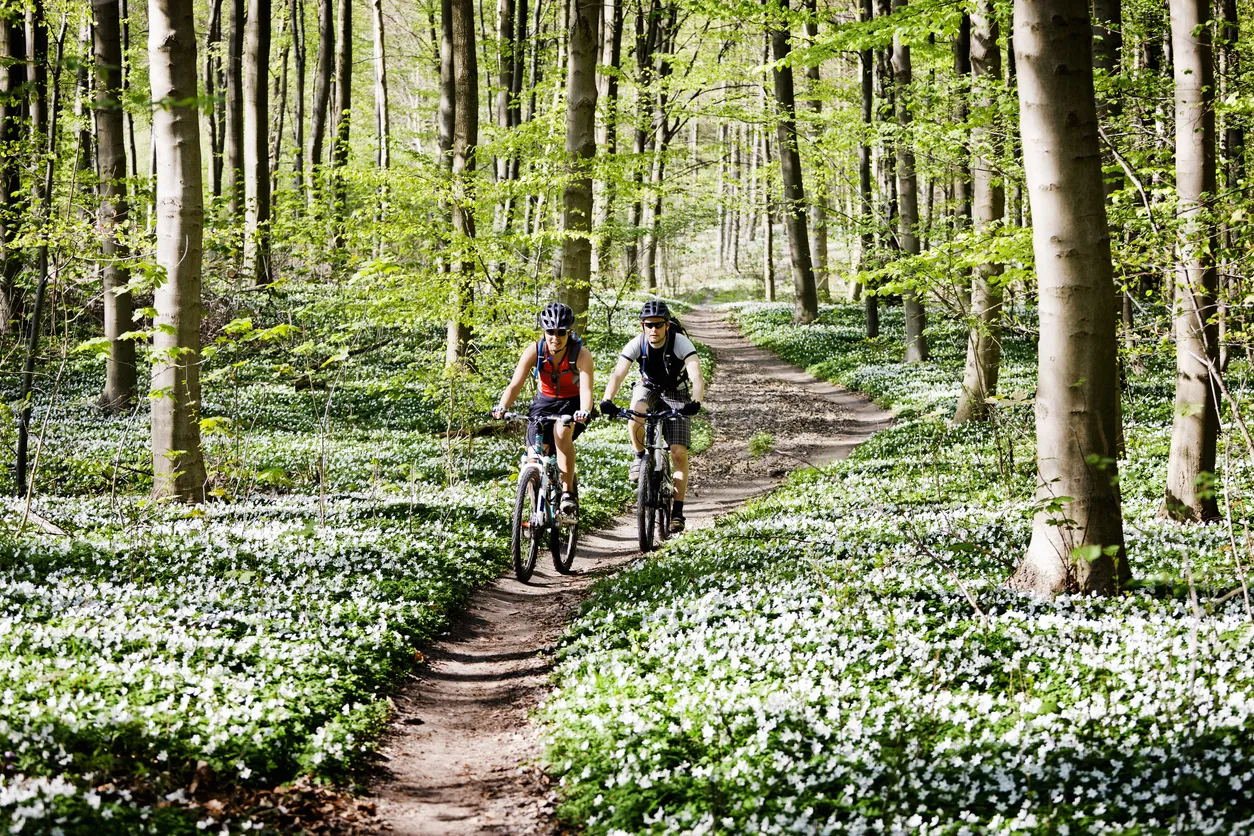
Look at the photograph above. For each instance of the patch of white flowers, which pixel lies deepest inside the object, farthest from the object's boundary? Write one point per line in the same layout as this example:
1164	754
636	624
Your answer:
841	658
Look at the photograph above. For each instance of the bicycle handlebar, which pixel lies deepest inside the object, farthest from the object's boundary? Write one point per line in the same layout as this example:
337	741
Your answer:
659	414
562	420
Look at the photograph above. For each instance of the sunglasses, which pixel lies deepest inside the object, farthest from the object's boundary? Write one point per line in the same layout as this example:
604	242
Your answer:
653	326
556	332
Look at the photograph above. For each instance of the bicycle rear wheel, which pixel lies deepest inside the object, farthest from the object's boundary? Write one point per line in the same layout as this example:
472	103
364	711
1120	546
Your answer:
524	542
645	518
563	540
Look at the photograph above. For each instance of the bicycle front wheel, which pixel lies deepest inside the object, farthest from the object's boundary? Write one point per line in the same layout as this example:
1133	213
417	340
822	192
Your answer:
562	542
646	518
524	542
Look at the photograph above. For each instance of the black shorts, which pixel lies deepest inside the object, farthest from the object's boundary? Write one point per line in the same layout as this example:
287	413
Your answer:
544	405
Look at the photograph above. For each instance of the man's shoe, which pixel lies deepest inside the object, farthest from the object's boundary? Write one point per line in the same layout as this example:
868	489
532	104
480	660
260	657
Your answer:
569	506
677	524
633	474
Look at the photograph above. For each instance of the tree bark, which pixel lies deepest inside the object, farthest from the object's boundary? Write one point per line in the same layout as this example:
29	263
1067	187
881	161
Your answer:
581	149
319	117
120	380
257	143
1234	174
465	138
979	378
448	88
908	195
768	225
962	170
805	296
382	120
607	137
1077	533
13	201
1195	430
343	122
298	99
234	153
178	465
128	117
662	69
819	198
646	45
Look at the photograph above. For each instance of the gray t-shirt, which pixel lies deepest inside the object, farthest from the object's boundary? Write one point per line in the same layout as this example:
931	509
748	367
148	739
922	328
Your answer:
659	369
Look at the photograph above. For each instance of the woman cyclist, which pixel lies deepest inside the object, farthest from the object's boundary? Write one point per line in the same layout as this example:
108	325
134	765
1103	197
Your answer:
564	370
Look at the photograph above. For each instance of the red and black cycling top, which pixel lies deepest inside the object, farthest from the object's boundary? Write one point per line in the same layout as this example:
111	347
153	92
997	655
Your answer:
558	378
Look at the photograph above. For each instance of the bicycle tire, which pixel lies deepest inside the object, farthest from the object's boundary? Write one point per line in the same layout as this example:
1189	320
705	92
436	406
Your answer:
664	493
524	550
644	513
563	540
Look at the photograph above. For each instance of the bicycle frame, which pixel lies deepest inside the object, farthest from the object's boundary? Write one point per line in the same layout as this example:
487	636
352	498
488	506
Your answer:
536	508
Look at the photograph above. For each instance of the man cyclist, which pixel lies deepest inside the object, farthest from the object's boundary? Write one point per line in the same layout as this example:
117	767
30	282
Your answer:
671	375
564	371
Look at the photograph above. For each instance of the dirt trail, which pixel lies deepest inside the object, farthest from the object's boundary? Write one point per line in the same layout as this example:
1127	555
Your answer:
461	751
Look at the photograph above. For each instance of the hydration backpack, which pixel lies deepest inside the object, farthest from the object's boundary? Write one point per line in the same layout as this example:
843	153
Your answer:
555	376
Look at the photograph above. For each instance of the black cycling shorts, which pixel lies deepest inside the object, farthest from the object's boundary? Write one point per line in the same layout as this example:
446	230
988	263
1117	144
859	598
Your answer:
544	405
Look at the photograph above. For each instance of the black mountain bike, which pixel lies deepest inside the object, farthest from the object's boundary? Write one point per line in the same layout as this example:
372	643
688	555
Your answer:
536	516
655	490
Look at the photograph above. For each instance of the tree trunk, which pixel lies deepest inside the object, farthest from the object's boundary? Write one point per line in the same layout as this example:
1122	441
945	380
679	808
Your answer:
1234	174
298	99
343	122
382	121
1077	534
979	379
1195	430
279	122
867	209
234	174
647	27
805	296
322	92
662	69
178	466
257	143
505	77
768	225
581	149
448	88
119	388
213	62
465	138
962	171
13	201
818	200
908	195
607	135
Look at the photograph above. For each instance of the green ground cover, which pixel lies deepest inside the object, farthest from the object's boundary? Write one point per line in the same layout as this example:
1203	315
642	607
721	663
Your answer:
255	638
839	657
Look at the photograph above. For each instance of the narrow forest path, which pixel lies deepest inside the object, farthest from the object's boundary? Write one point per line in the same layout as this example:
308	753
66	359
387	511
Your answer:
461	751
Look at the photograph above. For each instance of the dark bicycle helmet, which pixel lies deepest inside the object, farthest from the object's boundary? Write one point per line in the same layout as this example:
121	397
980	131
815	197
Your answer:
557	315
655	308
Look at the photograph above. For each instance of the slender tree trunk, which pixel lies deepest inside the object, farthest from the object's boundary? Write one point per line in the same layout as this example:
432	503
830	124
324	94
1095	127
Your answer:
13	201
819	198
805	296
448	89
979	379
662	69
257	143
279	122
581	149
298	100
886	170
607	137
322	92
382	120
128	117
1195	430
866	207
908	195
213	61
1230	285
178	466
505	77
465	138
962	171
1077	534
343	122
234	173
120	379
768	223
647	27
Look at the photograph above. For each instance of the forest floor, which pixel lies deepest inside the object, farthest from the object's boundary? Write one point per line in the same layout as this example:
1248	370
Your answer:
461	756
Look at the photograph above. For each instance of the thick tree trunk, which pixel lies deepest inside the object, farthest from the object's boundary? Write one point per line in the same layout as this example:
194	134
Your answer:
13	202
1077	534
119	388
581	149
234	152
979	379
1195	430
320	115
257	143
908	196
178	466
213	63
805	296
465	138
343	122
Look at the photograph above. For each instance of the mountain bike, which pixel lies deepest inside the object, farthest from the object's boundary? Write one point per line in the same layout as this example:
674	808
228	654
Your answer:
655	490
535	510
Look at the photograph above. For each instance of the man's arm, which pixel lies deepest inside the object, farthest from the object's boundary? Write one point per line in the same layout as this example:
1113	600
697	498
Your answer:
616	378
693	367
